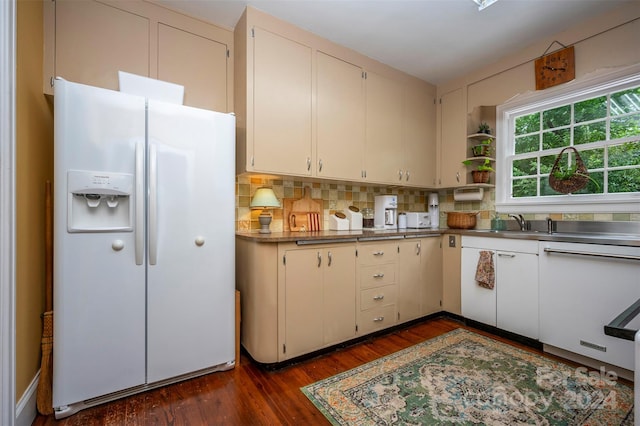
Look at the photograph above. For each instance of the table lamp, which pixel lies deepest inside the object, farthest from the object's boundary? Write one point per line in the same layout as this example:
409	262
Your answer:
264	199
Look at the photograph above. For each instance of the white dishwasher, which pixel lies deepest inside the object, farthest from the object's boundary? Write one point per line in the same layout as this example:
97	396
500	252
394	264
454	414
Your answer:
583	287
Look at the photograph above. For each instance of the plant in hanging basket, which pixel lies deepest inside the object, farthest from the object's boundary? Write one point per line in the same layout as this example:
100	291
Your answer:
570	176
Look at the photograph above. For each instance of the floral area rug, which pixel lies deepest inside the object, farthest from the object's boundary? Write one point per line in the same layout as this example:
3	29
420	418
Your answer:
465	378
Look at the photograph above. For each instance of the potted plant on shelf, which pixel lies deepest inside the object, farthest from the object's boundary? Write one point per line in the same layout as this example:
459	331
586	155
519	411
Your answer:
484	128
482	173
483	149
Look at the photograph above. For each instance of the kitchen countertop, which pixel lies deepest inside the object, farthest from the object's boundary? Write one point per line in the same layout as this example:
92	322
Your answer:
618	239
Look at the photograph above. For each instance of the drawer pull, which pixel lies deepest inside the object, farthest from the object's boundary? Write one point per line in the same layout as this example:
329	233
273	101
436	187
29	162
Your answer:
380	275
378	319
378	253
593	346
380	297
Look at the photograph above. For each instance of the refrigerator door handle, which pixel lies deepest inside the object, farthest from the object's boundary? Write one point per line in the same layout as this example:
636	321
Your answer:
139	209
153	204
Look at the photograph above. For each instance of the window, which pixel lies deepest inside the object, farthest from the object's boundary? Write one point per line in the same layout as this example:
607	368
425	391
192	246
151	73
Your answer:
600	118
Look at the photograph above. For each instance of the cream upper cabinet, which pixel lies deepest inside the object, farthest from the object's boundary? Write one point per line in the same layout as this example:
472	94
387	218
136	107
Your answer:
90	41
94	40
384	118
194	61
340	106
419	137
278	99
452	147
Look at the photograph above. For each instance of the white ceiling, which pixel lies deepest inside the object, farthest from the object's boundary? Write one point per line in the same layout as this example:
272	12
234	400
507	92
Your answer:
435	40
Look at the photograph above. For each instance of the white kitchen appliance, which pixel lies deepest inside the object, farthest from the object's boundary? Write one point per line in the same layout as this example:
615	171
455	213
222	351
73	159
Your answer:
434	210
144	244
386	212
418	220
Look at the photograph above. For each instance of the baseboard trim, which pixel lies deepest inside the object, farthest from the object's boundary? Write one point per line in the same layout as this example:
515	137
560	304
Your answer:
26	409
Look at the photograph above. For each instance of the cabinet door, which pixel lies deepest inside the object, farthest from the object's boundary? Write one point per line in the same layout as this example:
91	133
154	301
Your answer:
478	303
517	293
281	105
419	137
431	270
452	140
195	62
303	302
93	41
383	153
339	290
340	118
451	273
410	281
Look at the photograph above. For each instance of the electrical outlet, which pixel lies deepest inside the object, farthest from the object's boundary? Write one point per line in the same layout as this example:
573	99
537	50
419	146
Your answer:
452	240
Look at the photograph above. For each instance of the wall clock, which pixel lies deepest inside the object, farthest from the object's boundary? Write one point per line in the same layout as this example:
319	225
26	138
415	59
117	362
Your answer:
555	68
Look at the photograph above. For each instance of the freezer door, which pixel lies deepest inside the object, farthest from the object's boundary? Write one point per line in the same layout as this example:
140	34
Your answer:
99	291
191	271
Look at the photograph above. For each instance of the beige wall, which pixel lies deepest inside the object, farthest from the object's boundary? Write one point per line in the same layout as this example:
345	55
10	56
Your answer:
608	41
34	165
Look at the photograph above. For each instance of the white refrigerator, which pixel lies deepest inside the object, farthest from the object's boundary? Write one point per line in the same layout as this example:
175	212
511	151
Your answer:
144	243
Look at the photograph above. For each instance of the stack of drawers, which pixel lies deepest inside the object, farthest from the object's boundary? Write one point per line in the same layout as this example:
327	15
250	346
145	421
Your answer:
378	290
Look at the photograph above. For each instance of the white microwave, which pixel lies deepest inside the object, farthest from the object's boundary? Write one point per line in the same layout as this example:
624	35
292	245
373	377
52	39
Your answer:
418	220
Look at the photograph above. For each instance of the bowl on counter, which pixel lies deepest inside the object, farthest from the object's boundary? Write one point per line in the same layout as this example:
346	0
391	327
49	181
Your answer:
461	220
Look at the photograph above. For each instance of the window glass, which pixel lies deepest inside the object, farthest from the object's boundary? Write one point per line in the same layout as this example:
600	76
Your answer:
602	122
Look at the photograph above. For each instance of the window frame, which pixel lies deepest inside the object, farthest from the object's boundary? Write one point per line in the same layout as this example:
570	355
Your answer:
569	93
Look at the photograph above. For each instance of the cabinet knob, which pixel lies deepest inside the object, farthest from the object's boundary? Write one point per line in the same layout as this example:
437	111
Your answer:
330	258
308	163
399	174
320	165
319	259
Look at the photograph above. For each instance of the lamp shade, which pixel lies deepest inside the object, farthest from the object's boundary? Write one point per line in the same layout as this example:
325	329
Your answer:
264	198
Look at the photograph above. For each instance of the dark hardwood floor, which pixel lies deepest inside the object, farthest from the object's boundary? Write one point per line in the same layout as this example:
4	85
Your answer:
250	394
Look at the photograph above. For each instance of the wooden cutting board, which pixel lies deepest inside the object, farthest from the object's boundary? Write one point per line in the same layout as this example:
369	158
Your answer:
303	214
306	203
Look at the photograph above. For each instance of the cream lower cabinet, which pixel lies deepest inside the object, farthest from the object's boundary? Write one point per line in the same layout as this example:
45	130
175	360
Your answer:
450	244
419	277
512	305
90	41
297	299
318	296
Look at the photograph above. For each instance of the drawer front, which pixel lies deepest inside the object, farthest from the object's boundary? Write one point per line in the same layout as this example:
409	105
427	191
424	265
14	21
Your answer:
376	254
376	319
379	296
377	275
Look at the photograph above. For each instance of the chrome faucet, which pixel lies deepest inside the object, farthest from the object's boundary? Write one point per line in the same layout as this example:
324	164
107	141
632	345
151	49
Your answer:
521	222
549	225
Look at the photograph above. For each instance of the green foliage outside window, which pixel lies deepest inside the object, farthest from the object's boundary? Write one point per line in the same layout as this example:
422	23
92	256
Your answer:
604	129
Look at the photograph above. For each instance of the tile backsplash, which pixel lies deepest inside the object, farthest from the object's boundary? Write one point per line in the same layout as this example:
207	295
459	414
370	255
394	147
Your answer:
339	196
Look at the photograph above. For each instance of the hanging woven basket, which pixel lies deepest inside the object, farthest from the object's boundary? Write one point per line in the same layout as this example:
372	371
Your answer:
573	182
